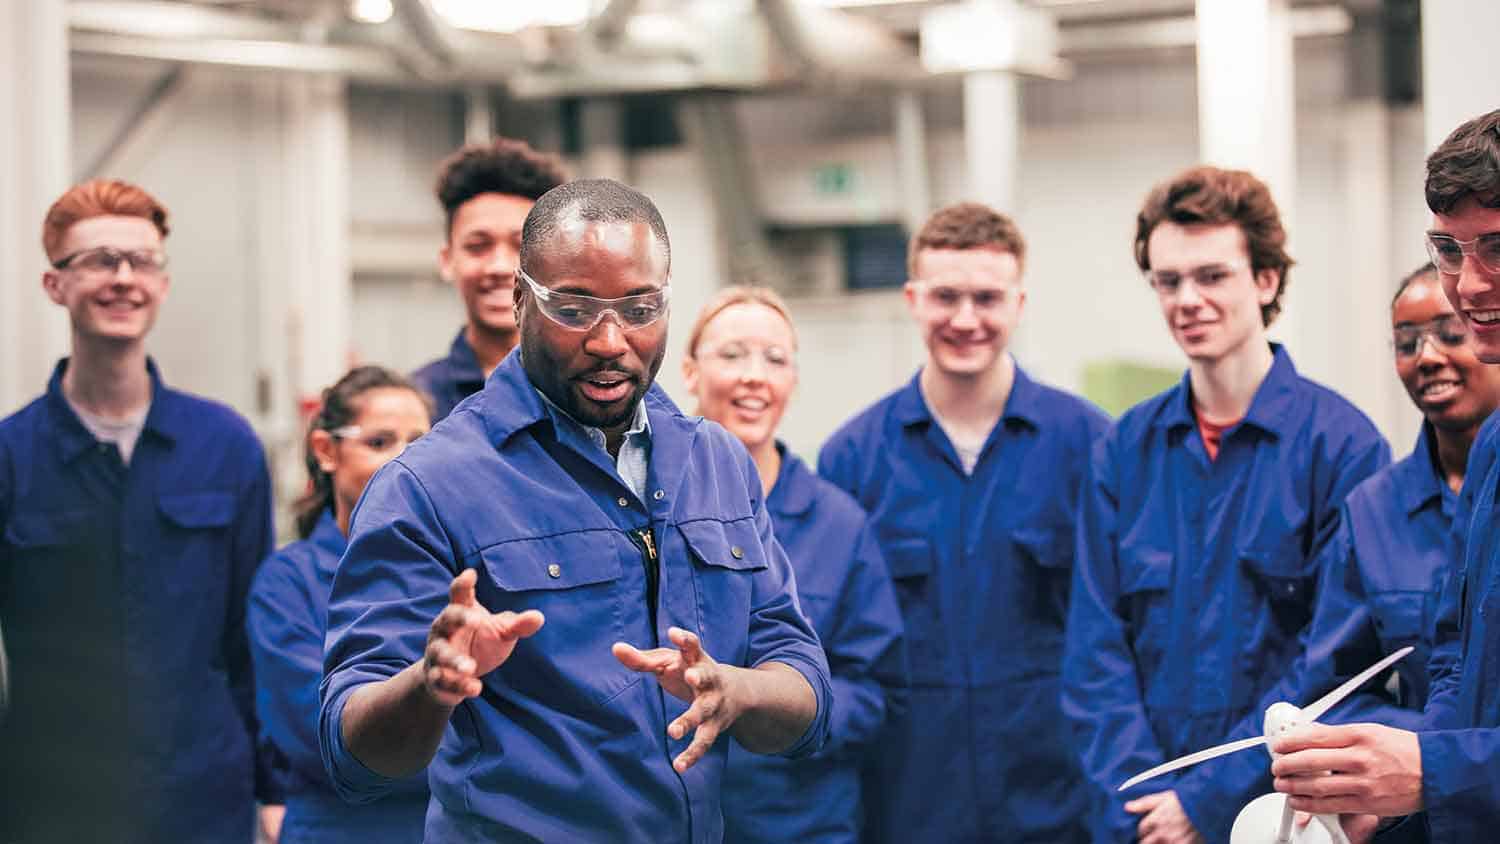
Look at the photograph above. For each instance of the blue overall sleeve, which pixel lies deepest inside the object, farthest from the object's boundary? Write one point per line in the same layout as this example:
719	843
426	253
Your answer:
286	640
1212	794
253	533
391	583
1101	686
779	632
1338	643
866	654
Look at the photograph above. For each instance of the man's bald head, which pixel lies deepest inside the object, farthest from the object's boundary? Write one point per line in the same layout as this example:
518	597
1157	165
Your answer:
565	211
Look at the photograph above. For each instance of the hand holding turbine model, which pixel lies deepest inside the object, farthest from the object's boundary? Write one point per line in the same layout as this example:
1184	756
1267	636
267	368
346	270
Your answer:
1268	818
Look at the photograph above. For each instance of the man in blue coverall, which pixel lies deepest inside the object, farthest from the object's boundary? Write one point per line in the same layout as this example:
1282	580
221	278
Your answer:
502	571
486	191
1450	768
133	519
970	474
1202	518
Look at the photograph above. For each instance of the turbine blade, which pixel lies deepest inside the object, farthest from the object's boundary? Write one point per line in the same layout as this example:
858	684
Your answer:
1193	759
1330	700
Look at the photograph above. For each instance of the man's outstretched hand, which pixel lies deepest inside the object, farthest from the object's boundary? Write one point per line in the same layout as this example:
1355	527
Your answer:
467	642
717	692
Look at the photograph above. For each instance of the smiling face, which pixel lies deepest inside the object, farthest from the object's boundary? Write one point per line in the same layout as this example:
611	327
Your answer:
118	305
599	375
743	371
481	255
967	303
389	419
1214	311
1474	292
1446	380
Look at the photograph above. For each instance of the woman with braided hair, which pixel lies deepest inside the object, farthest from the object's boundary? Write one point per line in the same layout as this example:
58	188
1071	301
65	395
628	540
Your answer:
366	418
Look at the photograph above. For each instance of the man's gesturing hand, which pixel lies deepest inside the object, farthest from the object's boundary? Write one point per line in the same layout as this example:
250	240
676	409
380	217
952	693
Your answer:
467	642
688	673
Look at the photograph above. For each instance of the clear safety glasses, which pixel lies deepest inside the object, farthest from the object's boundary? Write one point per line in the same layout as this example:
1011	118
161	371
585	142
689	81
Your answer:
1445	332
577	312
106	261
1447	252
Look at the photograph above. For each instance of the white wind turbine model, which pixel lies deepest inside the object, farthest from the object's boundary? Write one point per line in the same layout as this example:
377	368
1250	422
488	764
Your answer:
1268	818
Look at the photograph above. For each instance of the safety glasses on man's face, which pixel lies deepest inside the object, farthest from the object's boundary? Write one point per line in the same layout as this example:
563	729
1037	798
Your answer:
577	312
1447	252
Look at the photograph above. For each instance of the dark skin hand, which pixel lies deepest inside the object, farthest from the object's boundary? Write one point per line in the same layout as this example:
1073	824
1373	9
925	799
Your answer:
765	708
394	726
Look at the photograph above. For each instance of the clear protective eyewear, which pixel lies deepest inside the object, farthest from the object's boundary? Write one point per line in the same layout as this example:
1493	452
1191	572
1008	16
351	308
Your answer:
1206	277
949	298
106	261
736	357
1447	252
1445	332
380	442
577	312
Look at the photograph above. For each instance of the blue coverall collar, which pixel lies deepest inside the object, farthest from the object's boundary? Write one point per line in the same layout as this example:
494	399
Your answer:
1417	478
1024	404
73	438
792	494
327	537
463	364
1271	407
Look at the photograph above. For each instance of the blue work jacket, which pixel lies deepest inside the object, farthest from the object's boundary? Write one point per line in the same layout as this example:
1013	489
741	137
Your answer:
122	590
450	380
1195	579
564	743
287	617
1461	739
981	565
846	593
1378	581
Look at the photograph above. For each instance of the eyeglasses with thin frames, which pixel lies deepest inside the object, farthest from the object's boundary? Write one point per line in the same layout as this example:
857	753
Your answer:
1207	277
106	260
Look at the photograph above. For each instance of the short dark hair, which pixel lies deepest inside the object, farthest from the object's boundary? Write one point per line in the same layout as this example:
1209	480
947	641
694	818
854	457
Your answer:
594	200
1466	164
1214	196
1422	273
967	225
504	165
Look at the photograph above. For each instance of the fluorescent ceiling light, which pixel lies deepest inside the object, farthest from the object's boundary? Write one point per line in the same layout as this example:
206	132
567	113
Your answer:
511	15
371	11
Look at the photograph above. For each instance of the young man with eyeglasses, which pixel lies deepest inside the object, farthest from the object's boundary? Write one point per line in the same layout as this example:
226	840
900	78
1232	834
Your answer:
1448	770
563	595
486	191
1202	517
970	475
133	518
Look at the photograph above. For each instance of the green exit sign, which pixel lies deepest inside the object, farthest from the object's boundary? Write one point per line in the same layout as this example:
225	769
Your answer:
834	179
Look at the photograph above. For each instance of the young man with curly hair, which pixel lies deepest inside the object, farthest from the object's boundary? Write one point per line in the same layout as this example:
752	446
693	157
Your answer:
486	191
1201	518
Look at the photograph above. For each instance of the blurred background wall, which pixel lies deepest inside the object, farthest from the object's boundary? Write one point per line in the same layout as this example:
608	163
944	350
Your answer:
793	143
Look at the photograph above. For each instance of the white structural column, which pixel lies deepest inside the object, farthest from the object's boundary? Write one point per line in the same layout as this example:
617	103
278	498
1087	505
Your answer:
317	168
305	290
1246	102
1460	63
35	161
602	130
911	159
1247	112
992	136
